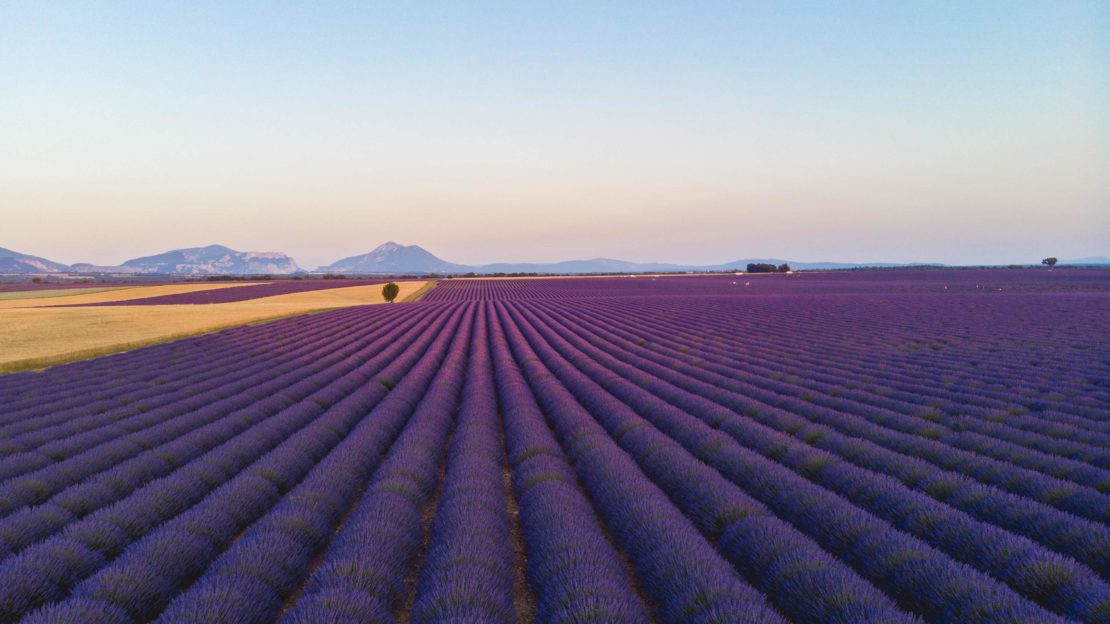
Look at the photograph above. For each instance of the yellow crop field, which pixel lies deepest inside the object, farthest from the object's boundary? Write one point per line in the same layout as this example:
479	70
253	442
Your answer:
33	337
55	292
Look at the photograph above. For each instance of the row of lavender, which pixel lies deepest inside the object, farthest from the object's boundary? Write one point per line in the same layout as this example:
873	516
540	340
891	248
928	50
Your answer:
979	423
7	287
998	535
619	459
87	524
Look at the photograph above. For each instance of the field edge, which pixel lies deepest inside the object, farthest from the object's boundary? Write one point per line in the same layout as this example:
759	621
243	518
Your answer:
419	294
40	364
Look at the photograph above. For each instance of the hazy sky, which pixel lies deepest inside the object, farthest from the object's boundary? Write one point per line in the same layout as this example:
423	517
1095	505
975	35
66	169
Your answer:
959	132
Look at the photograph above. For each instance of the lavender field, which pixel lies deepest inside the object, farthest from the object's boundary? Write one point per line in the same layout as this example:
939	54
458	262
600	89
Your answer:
242	293
854	447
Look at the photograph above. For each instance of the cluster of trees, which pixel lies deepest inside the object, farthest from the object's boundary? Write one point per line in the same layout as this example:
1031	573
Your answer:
473	274
767	267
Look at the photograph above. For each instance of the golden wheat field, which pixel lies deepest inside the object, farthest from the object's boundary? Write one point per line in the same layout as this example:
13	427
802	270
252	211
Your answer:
35	337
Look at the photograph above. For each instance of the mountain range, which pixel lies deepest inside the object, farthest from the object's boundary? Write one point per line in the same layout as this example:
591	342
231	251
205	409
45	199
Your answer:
1088	261
15	262
210	260
214	260
390	259
393	258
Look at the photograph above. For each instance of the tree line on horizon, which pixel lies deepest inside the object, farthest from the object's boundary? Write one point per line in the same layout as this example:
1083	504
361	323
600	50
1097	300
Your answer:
767	267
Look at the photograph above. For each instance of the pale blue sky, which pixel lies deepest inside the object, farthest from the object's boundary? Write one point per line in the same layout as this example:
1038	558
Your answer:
960	132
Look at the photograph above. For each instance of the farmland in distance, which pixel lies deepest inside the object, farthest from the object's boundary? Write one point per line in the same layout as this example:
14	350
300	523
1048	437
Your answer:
77	323
874	446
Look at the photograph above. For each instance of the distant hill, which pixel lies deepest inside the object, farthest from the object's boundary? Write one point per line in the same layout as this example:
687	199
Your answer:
15	262
1088	261
213	260
85	267
210	260
608	265
595	265
812	266
393	258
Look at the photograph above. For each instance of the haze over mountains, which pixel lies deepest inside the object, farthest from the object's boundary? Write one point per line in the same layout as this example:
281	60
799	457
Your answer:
390	259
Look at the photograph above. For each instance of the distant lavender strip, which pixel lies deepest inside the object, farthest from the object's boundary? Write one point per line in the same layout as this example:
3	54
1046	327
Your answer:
30	286
240	293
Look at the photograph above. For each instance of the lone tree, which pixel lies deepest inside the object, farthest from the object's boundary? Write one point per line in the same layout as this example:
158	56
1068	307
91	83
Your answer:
1049	262
390	291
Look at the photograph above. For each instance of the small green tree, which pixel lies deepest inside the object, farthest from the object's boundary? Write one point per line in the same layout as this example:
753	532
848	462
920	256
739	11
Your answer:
390	291
1049	262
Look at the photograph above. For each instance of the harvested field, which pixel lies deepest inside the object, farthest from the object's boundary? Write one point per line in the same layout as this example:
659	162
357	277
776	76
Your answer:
44	293
33	337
